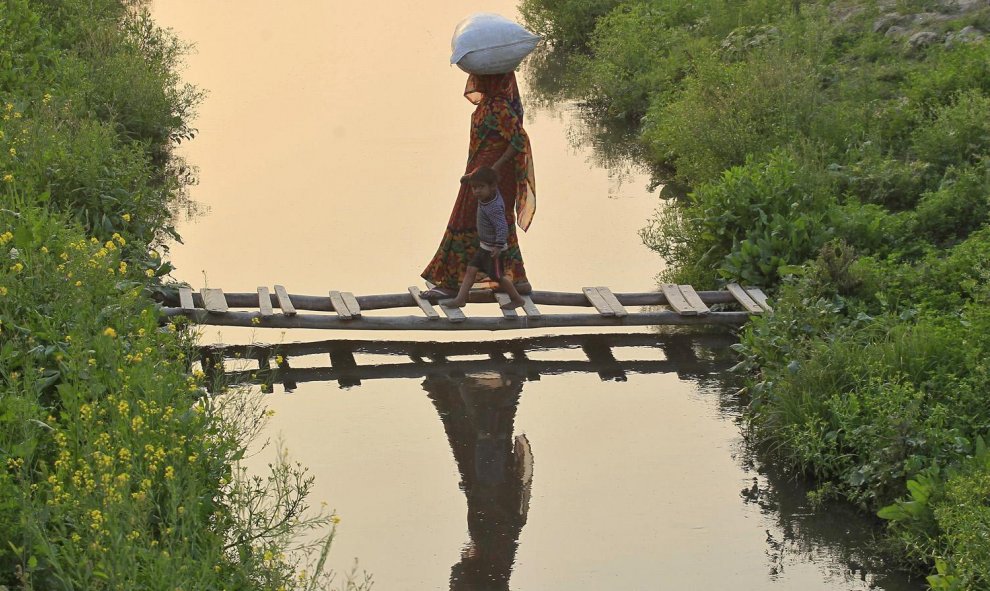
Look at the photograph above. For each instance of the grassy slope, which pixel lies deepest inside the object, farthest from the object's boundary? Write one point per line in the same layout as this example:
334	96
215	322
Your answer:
842	162
114	472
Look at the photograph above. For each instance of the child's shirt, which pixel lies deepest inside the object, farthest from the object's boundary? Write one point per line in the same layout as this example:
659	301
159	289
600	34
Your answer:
493	230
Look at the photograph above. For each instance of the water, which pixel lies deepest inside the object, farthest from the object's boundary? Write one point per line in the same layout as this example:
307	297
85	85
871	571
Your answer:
329	150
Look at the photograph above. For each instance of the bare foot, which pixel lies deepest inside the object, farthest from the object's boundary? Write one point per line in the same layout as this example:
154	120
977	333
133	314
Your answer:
452	303
513	304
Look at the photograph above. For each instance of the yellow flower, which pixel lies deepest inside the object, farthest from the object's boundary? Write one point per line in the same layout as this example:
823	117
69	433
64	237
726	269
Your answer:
46	99
169	472
123	267
256	320
13	152
3	290
119	239
8	178
17	267
110	332
149	272
78	283
44	250
126	217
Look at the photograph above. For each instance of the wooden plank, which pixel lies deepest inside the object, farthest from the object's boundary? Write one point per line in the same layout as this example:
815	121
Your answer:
503	299
213	300
284	302
743	298
424	305
598	301
693	299
759	297
530	308
265	302
612	301
339	306
352	304
676	300
453	314
186	299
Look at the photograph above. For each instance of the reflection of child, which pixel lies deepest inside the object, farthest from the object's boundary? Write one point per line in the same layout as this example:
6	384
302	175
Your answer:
492	233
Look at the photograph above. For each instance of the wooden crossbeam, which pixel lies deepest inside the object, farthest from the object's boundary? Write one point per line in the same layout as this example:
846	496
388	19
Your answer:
265	302
339	306
424	305
598	301
503	299
676	300
759	297
284	302
612	301
692	298
352	304
186	298
743	298
453	314
213	300
530	308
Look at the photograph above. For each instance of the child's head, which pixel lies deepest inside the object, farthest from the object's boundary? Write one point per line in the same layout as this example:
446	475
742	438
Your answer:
483	181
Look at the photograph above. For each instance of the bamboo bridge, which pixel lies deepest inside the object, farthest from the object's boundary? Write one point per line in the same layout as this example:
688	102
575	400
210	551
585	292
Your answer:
672	305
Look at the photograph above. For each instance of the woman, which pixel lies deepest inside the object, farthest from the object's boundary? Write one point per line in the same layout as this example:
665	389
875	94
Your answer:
498	140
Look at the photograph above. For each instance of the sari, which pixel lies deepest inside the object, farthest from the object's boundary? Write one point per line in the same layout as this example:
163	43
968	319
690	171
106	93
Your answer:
497	122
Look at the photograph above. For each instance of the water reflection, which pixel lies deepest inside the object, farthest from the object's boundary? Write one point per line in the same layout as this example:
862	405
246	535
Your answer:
613	356
496	468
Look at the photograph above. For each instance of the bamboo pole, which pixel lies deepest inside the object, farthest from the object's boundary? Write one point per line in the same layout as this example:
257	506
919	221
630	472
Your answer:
402	300
326	321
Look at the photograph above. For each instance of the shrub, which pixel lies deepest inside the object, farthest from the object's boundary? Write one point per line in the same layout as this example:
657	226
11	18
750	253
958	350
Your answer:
752	224
960	205
728	112
565	24
958	134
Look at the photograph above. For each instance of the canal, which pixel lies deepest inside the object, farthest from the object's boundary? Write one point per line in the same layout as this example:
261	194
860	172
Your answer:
329	150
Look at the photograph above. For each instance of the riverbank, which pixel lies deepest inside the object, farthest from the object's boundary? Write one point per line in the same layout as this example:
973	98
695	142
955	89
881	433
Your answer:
115	471
836	153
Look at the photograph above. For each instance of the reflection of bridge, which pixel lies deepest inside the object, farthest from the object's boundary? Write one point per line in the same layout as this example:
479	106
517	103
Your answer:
685	354
342	310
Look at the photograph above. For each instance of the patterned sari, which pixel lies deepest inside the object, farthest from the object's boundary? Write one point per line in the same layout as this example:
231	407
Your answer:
496	123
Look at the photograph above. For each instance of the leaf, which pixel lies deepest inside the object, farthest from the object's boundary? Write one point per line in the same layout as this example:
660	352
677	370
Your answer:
893	513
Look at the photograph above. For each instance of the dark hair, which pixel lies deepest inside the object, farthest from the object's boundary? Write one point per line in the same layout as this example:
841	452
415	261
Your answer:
483	175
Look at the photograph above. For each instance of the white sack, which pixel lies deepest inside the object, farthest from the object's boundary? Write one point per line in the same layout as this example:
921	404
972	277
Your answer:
486	43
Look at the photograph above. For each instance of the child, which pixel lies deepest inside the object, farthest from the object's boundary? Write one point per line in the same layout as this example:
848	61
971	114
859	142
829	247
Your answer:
492	233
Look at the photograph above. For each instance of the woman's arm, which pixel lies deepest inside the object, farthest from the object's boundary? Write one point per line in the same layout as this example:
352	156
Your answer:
508	154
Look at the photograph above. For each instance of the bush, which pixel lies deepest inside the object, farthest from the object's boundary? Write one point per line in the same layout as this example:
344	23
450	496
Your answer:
960	206
751	225
959	133
728	112
565	24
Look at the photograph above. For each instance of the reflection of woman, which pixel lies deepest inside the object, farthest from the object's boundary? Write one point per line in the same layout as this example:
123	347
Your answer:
497	140
478	413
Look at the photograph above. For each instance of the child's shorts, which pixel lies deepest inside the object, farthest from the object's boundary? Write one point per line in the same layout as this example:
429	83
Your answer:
492	266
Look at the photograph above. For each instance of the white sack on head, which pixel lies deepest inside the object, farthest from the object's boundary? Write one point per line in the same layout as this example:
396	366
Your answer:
486	43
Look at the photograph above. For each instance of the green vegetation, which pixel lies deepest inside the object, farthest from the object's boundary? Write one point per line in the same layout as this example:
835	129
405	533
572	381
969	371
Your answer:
116	472
837	154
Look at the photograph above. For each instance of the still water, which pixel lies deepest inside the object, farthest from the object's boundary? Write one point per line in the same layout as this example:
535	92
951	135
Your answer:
328	153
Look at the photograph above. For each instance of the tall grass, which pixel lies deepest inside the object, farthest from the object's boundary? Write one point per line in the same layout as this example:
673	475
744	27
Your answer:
116	470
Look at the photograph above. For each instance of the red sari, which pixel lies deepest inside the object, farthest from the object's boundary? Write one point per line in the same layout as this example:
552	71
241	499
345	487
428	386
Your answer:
496	123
